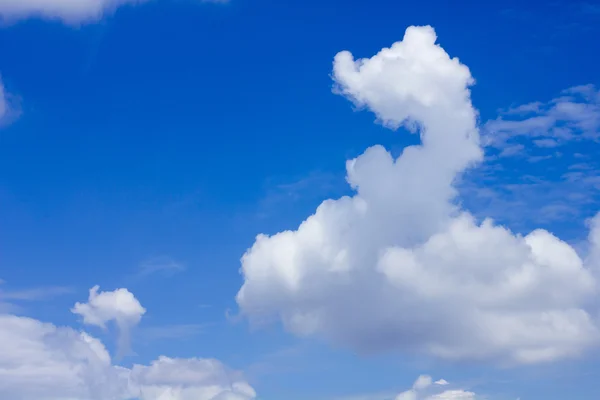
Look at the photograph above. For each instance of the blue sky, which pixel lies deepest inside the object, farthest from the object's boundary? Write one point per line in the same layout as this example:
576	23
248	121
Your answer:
146	146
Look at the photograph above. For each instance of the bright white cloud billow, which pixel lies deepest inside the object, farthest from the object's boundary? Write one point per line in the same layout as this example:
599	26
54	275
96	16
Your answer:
399	264
40	361
68	11
119	306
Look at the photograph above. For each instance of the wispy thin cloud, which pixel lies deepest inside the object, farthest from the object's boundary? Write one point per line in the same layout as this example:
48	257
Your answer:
555	142
34	294
10	299
561	194
572	116
163	265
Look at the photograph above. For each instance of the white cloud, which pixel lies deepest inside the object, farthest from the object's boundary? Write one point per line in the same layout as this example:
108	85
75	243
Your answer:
453	395
40	361
419	391
73	12
68	11
422	382
399	265
408	395
189	379
119	306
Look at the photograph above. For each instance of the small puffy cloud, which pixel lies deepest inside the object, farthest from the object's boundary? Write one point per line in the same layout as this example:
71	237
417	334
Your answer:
119	306
441	382
399	264
68	11
40	361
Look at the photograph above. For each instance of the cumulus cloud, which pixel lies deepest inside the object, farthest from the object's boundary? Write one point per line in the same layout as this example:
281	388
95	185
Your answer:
68	11
119	306
189	379
399	264
40	361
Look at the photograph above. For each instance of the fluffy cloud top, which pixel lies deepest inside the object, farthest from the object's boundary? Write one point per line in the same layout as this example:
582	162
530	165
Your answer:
399	264
119	306
69	11
40	361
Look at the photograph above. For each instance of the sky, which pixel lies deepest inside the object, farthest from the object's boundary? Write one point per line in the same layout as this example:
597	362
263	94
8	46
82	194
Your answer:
324	200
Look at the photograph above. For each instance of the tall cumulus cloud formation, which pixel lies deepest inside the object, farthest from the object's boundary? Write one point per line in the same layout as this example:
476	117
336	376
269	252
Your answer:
399	264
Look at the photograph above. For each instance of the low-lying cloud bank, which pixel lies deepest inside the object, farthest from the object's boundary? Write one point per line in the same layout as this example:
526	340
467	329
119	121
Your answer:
40	361
425	389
